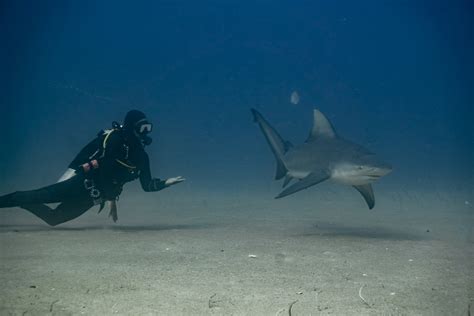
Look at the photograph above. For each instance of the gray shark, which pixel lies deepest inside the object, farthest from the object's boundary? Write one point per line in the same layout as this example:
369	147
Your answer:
324	156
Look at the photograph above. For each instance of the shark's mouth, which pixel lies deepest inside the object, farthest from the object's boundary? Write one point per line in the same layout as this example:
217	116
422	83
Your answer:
373	176
354	177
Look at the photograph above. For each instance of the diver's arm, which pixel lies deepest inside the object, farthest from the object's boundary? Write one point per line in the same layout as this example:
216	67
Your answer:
150	184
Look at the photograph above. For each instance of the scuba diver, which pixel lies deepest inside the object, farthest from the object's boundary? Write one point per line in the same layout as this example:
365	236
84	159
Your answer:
97	174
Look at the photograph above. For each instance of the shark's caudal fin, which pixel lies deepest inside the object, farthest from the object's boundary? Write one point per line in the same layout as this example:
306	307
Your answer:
367	193
278	146
321	127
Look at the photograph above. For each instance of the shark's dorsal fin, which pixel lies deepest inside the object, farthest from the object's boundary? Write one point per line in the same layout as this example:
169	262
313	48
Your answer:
321	127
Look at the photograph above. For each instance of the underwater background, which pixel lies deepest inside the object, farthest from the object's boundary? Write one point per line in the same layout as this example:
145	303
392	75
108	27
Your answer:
393	76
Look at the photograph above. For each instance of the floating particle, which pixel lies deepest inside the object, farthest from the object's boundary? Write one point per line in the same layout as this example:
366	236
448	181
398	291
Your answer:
295	98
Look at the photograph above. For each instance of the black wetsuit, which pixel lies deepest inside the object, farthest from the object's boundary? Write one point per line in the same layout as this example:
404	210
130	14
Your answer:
121	160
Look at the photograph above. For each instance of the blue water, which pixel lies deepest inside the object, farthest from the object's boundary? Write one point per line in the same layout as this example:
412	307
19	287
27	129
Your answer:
395	76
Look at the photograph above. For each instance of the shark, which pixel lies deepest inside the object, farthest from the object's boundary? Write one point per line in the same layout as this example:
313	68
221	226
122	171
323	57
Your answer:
323	156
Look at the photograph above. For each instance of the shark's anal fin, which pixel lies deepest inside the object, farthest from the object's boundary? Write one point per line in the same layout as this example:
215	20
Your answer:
310	180
367	193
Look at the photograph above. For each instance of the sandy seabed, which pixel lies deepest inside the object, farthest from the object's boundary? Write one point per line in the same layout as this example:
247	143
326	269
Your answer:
315	253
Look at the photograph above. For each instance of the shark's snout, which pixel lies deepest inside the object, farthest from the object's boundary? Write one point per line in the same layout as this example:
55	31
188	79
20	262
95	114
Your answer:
357	174
380	171
384	169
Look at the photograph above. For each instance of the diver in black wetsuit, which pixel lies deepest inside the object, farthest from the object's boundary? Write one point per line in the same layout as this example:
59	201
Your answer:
96	175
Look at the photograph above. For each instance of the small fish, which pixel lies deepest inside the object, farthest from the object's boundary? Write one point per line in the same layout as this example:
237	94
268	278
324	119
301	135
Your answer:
295	98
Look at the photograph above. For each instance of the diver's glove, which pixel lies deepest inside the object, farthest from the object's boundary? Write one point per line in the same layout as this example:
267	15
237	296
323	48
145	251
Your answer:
173	181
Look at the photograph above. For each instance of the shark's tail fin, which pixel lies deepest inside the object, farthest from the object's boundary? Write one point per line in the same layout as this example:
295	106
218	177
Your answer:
278	146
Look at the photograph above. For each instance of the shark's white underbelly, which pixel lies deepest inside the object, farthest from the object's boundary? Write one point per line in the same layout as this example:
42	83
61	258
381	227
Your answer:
297	174
345	176
349	178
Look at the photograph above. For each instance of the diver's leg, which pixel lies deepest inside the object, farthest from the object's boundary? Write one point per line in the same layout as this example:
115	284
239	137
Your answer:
50	194
65	211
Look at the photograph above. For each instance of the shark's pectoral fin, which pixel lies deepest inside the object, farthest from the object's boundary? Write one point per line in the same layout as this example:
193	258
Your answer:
367	193
310	180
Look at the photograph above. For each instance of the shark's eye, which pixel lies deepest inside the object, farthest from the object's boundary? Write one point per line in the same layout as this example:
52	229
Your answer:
360	167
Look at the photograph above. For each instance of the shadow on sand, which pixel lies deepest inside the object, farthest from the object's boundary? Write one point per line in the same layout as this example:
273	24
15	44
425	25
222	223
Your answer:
337	230
120	228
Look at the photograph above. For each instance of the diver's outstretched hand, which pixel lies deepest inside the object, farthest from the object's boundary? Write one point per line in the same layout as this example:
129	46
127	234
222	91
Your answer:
173	181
